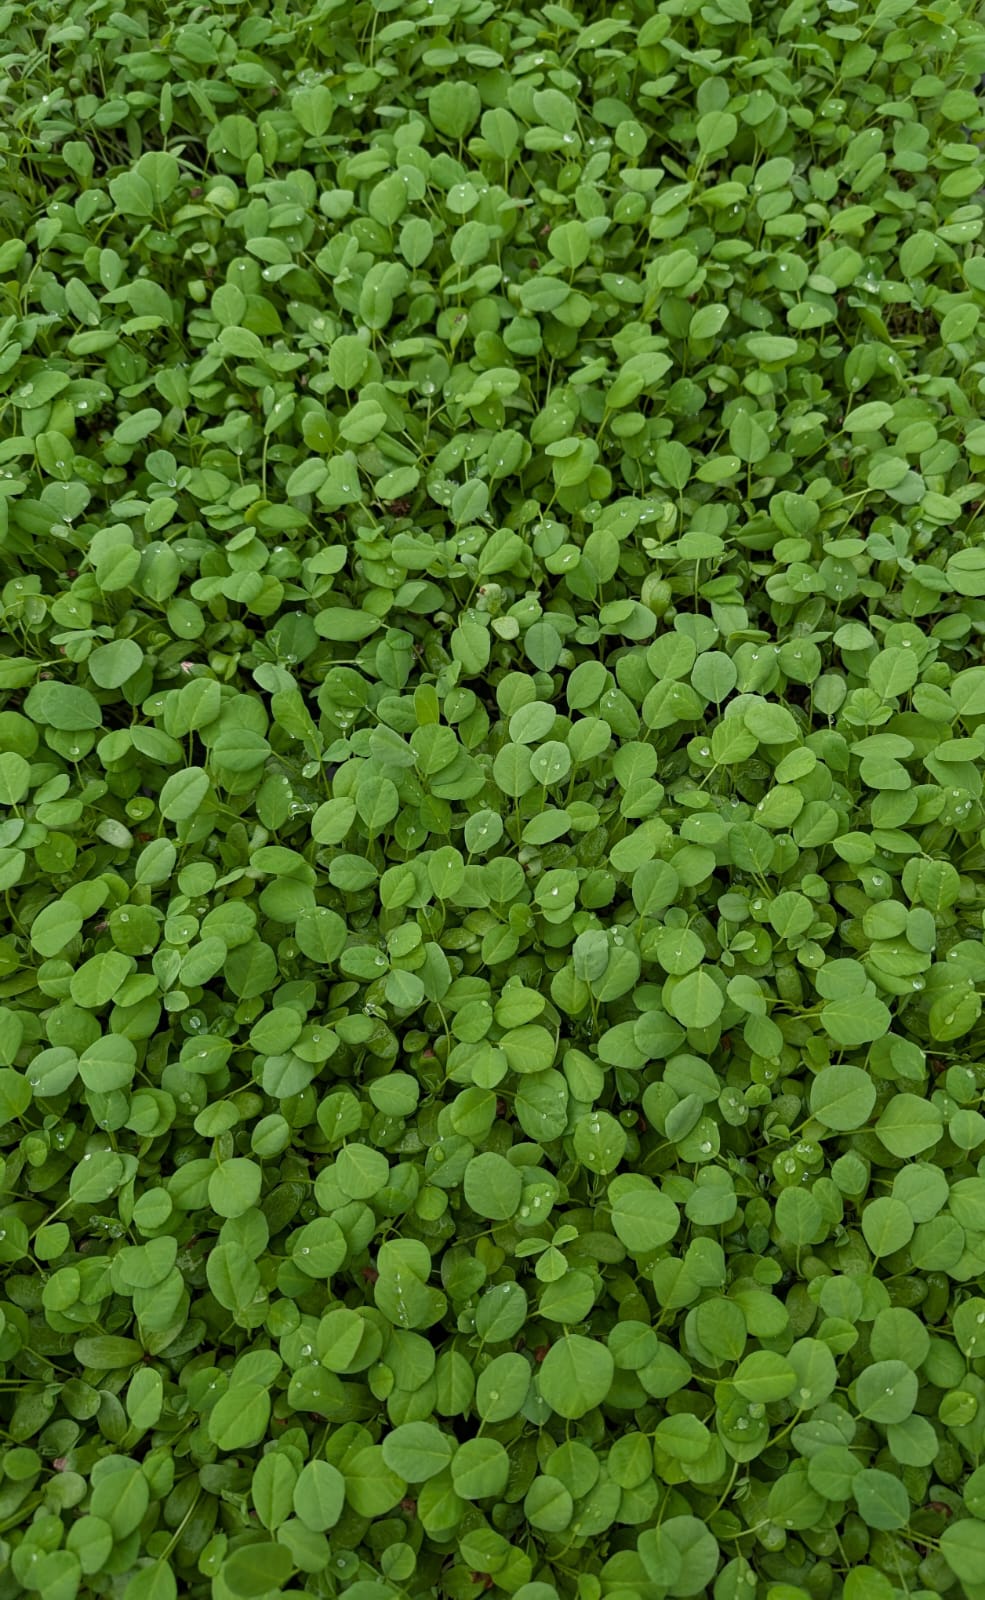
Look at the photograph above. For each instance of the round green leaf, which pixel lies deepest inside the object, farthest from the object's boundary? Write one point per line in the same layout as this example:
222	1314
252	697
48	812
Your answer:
575	1375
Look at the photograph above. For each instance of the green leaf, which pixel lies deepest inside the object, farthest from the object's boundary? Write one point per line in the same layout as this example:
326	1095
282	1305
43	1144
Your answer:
680	1555
963	1547
855	1020
156	1581
239	1417
235	1187
145	1398
696	1000
764	1377
842	1097
881	1499
121	1497
887	1225
257	1569
321	934
319	1496
272	1489
112	664
360	1171
886	1392
492	1187
869	417
716	131
528	1049
417	1451
480	1469
644	1219
15	777
98	979
909	1125
599	1141
575	1375
183	793
502	1387
799	1217
63	706
55	926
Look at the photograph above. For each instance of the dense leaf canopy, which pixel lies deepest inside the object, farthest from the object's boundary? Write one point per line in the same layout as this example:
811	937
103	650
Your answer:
492	726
